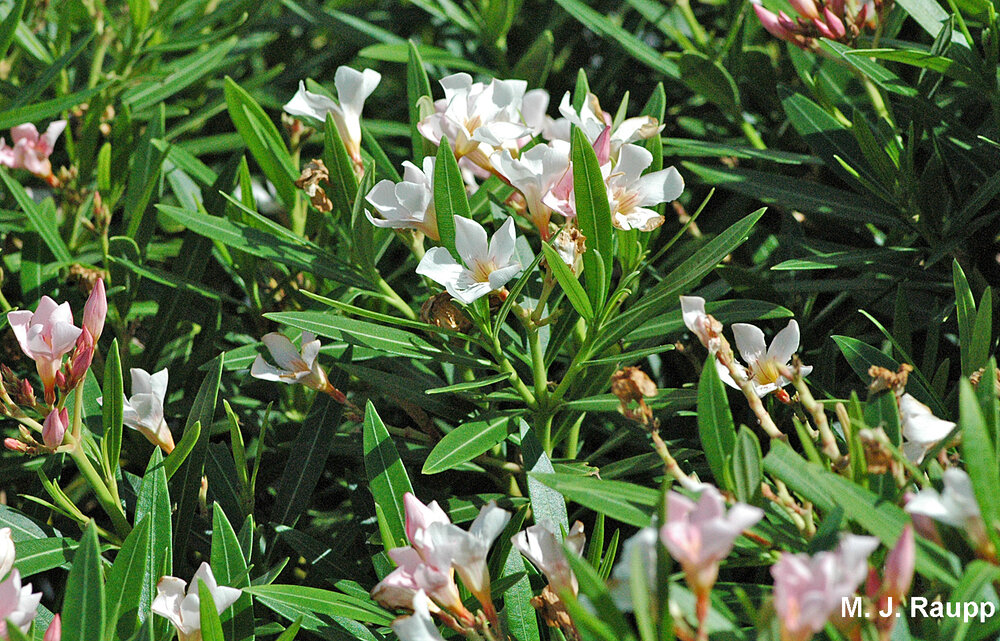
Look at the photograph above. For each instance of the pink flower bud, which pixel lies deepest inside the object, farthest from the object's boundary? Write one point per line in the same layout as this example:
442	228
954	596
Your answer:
15	445
54	427
96	310
899	565
81	359
54	633
602	146
836	24
805	8
771	23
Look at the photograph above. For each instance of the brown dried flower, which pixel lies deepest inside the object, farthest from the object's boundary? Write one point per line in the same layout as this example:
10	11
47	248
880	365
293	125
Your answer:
312	174
631	384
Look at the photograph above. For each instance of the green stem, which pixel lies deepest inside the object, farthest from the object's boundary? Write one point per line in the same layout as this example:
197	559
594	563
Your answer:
875	96
544	426
395	300
104	496
506	367
573	438
538	370
752	136
692	23
113	509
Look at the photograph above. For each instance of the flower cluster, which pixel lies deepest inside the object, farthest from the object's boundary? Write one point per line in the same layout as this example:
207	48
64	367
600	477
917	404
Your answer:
841	20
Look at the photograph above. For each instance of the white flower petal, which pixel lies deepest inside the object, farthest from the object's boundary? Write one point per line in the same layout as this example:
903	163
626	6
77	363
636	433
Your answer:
661	186
439	265
470	240
785	343
750	342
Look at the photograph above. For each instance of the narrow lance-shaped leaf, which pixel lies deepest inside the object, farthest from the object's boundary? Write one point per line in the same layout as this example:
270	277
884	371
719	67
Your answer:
450	198
593	214
112	407
387	477
83	603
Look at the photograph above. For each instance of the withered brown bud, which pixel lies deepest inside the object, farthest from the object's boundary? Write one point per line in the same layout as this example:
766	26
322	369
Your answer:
553	611
885	379
877	454
440	311
571	244
631	384
312	174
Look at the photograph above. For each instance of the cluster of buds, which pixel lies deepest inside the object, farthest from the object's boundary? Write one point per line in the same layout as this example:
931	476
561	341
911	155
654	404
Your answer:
46	336
840	20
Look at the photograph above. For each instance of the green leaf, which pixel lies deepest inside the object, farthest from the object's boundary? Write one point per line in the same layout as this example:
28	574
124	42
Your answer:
922	59
619	500
310	451
154	503
230	568
976	586
965	309
211	625
263	140
520	618
83	603
417	86
400	52
708	78
38	555
593	215
569	283
546	503
44	225
715	424
603	26
189	479
594	587
183	449
663	295
113	392
291	631
390	340
982	332
300	255
387	477
343	181
465	443
450	197
322	602
42	110
748	467
979	454
877	73
536	63
127	575
9	26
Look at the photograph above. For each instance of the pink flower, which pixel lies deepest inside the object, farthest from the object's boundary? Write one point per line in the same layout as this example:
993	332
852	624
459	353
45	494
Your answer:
54	427
897	576
45	336
700	535
31	151
18	604
420	565
809	589
96	310
413	574
842	21
542	547
466	551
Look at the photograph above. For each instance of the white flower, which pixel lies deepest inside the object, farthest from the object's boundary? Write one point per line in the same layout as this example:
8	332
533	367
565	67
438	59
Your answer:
419	626
488	266
353	88
293	367
18	604
144	411
956	505
921	429
183	609
477	119
541	546
762	362
408	204
533	174
447	544
593	120
7	552
533	110
631	194
706	328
